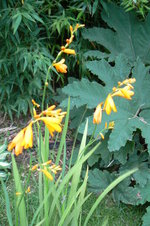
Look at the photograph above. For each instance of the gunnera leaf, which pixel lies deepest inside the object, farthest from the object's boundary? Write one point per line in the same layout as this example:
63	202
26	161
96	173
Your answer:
146	217
126	34
130	114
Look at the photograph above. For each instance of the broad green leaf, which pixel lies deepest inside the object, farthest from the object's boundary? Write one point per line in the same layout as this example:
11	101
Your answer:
142	176
98	180
127	119
122	154
127	34
95	54
3	174
5	165
125	193
146	217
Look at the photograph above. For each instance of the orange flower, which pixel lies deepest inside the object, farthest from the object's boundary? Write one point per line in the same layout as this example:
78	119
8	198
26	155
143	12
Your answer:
111	125
24	139
69	51
125	92
55	168
35	104
28	190
28	137
71	29
54	113
98	114
17	143
46	173
35	167
109	105
102	136
127	81
60	66
53	124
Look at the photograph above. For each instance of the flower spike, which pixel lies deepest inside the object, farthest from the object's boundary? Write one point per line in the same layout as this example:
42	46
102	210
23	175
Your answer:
98	114
109	105
60	66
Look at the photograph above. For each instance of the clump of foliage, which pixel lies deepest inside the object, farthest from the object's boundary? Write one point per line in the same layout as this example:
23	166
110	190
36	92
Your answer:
118	54
4	164
29	33
141	6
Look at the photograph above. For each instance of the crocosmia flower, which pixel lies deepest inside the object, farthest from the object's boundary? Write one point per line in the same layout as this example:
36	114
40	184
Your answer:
60	66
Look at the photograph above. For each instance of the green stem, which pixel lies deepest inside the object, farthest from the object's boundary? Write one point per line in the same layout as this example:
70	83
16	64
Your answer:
107	190
93	132
44	91
50	67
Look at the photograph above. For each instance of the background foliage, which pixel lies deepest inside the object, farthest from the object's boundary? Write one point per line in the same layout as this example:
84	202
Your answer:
114	46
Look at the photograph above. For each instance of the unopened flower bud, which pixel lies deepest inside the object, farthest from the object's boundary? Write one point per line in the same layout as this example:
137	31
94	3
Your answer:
71	29
62	47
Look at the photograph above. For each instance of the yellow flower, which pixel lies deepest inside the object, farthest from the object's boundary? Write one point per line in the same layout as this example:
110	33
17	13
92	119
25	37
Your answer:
55	168
46	173
28	137
111	125
102	136
47	163
17	143
18	193
71	29
53	124
35	104
60	66
35	167
105	125
109	105
127	81
24	139
98	114
125	92
69	51
28	190
54	113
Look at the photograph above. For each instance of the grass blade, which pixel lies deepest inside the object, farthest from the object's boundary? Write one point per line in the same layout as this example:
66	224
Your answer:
20	203
63	137
9	216
107	190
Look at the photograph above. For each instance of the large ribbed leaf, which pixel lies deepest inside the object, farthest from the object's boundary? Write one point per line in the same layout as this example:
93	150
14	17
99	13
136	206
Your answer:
127	35
146	217
130	114
91	93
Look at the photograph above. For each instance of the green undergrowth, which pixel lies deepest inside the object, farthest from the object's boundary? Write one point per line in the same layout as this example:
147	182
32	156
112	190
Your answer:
107	212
